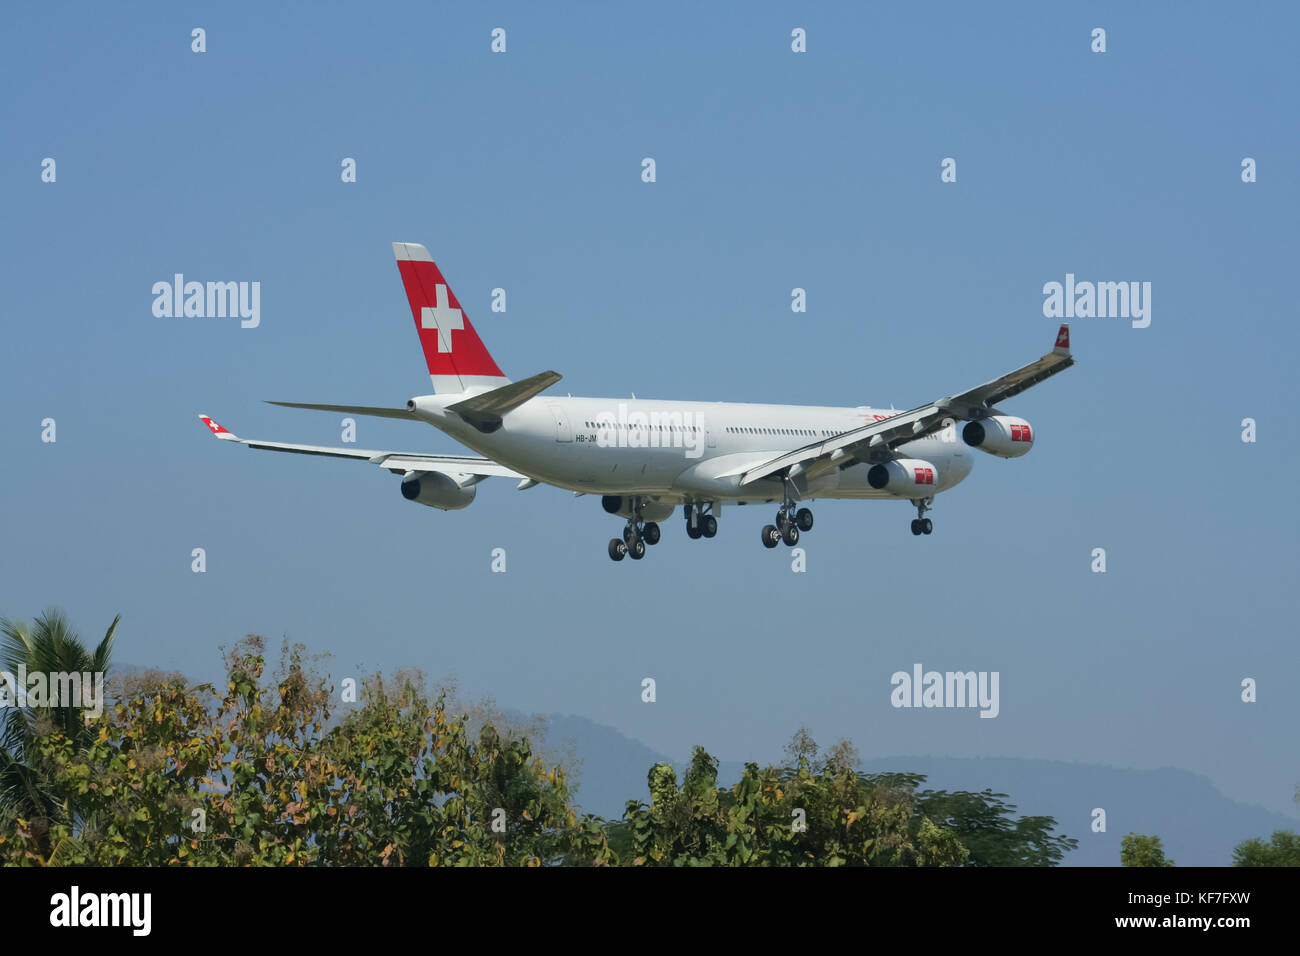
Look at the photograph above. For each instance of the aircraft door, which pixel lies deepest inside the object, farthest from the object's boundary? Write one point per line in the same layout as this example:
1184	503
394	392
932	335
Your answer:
562	431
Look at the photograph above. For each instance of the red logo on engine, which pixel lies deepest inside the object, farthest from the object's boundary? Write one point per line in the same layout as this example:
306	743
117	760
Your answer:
1021	433
924	476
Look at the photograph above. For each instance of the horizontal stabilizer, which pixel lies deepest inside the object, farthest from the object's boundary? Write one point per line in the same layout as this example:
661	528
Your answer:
354	410
484	410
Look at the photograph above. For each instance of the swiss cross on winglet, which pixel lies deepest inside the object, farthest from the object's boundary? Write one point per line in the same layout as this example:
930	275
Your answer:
1063	340
216	429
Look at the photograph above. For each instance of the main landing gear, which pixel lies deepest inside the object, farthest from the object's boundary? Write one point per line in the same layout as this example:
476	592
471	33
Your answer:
636	536
922	525
789	522
699	522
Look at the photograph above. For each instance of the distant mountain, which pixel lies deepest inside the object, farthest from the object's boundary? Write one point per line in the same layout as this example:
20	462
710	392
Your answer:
612	767
1198	825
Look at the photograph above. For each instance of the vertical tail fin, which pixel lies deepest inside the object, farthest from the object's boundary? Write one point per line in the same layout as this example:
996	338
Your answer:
456	357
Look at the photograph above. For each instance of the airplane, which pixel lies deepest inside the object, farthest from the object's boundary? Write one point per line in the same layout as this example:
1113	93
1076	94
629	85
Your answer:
646	457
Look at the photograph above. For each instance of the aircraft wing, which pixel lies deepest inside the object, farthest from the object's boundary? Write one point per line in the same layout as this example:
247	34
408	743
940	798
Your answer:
397	462
877	441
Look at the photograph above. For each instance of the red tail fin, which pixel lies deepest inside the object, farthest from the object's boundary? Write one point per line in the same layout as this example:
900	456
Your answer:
455	355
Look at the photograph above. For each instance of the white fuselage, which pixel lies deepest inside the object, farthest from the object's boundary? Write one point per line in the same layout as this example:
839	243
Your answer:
681	452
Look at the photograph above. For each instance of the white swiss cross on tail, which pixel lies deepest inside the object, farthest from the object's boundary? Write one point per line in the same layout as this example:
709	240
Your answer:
442	317
453	352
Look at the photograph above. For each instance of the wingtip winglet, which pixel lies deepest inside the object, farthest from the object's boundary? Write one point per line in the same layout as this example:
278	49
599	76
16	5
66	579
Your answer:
217	429
1063	340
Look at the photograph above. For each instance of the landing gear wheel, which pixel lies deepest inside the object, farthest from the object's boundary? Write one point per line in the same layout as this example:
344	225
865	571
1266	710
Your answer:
636	550
708	526
650	532
694	532
790	534
804	519
617	549
771	536
922	524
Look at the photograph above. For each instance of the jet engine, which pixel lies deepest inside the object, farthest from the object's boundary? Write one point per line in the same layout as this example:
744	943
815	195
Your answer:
1000	435
621	505
437	490
906	477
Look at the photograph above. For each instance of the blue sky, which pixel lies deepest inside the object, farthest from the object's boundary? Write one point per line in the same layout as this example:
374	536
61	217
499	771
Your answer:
775	170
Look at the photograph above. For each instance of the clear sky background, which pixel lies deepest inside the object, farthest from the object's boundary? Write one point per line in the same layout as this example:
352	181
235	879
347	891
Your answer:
775	170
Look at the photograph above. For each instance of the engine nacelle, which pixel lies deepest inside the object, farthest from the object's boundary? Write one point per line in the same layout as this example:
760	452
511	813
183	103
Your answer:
621	505
437	490
1000	435
908	477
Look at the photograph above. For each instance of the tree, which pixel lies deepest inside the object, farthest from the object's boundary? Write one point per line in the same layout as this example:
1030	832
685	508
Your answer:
802	749
843	756
781	817
48	647
261	774
985	825
276	770
1138	850
1283	850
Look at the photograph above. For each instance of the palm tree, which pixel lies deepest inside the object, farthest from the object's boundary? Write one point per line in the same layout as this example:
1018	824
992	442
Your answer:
49	646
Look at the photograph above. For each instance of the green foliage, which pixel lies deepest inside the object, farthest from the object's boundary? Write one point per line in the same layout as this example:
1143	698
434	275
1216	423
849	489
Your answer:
265	772
257	775
780	817
984	824
821	812
1283	850
801	751
49	646
1138	850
